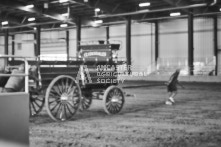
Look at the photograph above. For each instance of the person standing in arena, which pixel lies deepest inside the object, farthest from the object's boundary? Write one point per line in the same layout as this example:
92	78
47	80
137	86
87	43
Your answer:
172	87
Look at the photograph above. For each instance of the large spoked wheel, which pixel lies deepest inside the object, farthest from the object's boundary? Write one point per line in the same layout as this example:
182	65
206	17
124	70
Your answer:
113	100
37	101
86	100
63	98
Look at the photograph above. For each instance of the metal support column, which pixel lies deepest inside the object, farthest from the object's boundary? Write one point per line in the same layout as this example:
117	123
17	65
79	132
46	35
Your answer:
13	44
6	42
128	44
67	44
107	34
156	41
78	37
215	33
190	44
6	46
38	41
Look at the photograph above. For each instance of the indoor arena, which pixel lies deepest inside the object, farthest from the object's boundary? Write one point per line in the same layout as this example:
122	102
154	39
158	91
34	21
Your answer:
110	73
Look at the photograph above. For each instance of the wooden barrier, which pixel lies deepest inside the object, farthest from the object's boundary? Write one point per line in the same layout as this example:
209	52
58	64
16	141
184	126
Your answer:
14	115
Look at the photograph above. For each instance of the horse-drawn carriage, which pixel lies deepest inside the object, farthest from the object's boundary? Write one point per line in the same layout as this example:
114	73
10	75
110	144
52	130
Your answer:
66	86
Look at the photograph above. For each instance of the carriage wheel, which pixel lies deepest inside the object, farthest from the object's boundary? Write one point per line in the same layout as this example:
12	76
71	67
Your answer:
36	103
113	100
86	100
63	98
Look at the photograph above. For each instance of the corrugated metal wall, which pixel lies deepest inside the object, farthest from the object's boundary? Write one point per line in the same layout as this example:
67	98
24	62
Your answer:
2	49
142	44
118	33
173	42
203	39
2	44
72	43
219	45
24	45
93	34
53	42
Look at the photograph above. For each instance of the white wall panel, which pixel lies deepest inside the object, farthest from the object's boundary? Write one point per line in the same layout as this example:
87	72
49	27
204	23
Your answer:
142	46
53	42
173	45
219	31
219	44
24	45
173	25
141	52
2	48
118	33
72	43
118	30
90	34
173	39
203	38
142	29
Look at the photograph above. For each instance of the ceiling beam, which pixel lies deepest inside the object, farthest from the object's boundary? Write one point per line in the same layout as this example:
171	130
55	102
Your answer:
36	11
103	6
177	3
154	11
11	19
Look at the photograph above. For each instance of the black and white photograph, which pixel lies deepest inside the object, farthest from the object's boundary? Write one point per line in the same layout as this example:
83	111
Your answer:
110	73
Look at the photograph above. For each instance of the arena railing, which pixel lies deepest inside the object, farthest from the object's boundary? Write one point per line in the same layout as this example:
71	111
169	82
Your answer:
26	73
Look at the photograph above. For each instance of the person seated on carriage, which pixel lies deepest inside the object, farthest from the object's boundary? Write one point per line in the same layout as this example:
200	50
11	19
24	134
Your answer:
172	87
15	83
33	75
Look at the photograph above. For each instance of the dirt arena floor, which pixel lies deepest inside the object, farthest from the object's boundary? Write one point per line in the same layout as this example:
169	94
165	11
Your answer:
145	121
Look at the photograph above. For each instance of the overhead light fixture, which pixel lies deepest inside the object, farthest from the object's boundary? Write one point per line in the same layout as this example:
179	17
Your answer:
5	23
220	9
175	14
63	1
31	19
63	25
144	4
64	14
46	5
35	28
98	21
97	10
30	6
